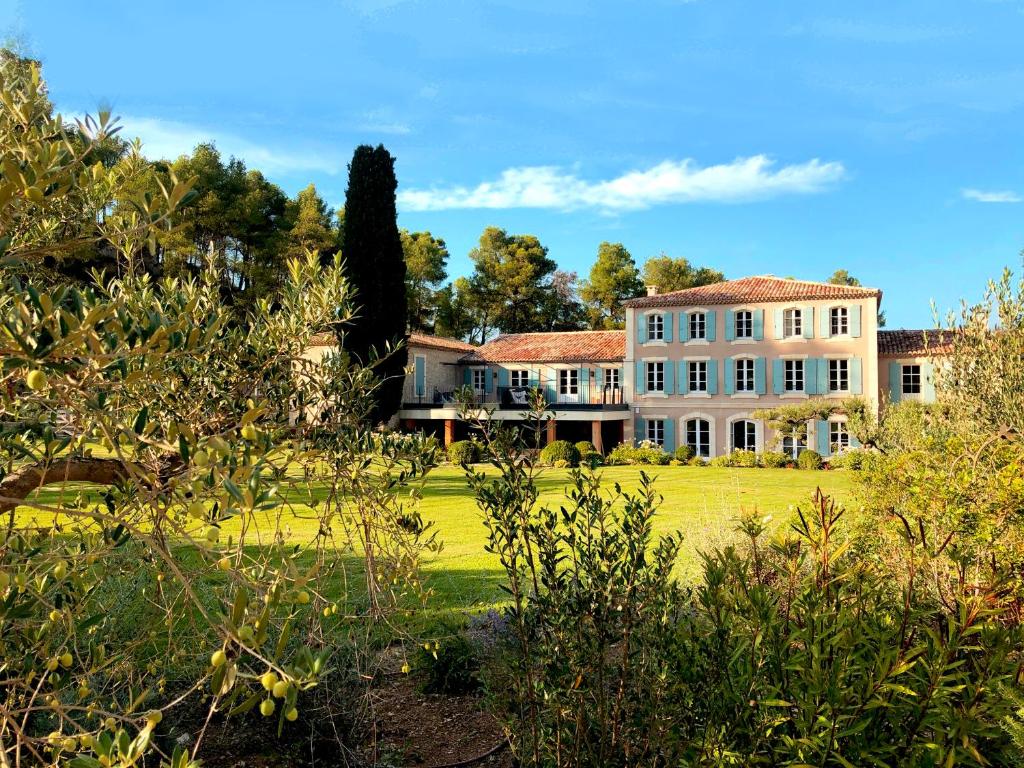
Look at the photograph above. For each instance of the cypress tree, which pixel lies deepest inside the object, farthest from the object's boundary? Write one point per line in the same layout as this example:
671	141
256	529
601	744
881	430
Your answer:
375	267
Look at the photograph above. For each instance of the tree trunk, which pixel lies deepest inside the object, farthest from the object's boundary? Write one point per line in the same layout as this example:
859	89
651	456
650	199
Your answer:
21	483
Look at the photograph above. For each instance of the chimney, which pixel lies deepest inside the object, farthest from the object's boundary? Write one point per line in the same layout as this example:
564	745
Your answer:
652	290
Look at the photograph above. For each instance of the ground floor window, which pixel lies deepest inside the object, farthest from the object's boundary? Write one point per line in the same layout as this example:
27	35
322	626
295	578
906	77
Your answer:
838	436
698	436
519	378
911	380
744	435
793	445
656	431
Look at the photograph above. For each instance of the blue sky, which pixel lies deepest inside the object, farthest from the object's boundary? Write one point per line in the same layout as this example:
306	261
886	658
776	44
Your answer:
787	138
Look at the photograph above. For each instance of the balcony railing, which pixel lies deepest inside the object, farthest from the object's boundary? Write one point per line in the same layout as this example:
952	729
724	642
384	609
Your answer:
584	396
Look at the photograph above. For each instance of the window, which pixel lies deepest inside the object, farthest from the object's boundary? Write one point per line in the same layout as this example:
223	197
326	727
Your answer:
568	382
838	436
611	378
911	379
479	379
519	378
655	327
744	435
794	379
656	431
655	377
838	375
793	445
744	324
839	321
792	323
698	437
698	325
697	375
744	375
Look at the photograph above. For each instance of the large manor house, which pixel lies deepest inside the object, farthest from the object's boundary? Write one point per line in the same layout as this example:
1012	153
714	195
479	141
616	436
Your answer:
690	368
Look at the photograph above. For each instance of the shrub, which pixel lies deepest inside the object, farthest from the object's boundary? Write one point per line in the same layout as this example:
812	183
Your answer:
591	459
560	451
809	460
851	459
724	460
462	452
744	458
774	459
645	453
684	453
585	446
451	666
697	461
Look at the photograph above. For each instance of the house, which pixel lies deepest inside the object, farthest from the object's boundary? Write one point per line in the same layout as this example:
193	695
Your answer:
907	363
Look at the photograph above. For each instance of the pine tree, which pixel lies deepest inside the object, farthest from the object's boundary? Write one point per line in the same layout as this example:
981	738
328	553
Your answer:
375	267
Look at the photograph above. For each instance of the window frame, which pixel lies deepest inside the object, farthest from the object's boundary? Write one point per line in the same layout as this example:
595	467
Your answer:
750	434
748	323
738	378
520	374
796	447
654	380
568	381
697	325
839	320
838	436
695	444
913	371
696	376
790	368
480	373
655	425
792	323
838	373
660	327
612	373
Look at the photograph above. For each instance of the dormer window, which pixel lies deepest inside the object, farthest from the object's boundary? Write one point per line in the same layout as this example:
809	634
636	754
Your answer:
839	321
792	323
744	324
698	325
656	327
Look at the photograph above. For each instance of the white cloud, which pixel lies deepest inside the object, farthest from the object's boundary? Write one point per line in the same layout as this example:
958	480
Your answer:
992	196
169	138
682	181
382	121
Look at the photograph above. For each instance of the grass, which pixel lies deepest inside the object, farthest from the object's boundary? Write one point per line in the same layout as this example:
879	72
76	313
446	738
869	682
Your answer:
701	502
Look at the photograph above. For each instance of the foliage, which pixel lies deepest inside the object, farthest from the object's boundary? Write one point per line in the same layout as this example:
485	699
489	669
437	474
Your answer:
560	450
585	446
698	461
560	308
454	316
809	460
744	458
375	268
852	459
684	453
312	225
774	459
426	259
451	666
722	460
591	459
613	279
645	452
670	274
463	452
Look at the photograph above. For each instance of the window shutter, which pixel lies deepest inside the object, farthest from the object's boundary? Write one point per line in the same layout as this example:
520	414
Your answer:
807	320
684	326
641	328
729	385
640	382
822	437
928	382
667	319
503	377
810	376
778	377
599	378
825	322
670	435
467	376
488	380
421	376
730	325
622	377
534	377
712	377
778	324
639	430
895	382
758	321
684	377
822	366
711	322
855	321
856	374
760	385
669	371
854	442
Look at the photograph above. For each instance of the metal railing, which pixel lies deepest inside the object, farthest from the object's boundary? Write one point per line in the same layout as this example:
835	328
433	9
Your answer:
584	396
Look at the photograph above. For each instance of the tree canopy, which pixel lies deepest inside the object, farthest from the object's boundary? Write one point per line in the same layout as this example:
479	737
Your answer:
675	274
426	260
613	279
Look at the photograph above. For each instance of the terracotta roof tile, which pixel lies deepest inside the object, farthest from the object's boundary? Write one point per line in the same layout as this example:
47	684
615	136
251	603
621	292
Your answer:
439	342
763	288
568	346
914	343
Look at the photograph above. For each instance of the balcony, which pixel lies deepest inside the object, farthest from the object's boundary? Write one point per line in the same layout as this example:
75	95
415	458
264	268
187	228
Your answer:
583	397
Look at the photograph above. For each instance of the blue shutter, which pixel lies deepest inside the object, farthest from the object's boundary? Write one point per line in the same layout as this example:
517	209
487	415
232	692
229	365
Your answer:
639	382
622	378
684	377
778	377
488	380
855	321
467	377
712	377
639	430
711	321
856	375
667	319
758	321
807	320
502	377
825	323
822	366
534	378
778	324
670	435
854	442
928	382
729	385
669	371
641	328
684	326
599	378
421	376
760	385
822	438
730	325
895	382
810	376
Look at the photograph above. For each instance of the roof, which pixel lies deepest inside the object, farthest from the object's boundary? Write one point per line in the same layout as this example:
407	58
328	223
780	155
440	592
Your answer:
566	346
914	343
757	289
415	340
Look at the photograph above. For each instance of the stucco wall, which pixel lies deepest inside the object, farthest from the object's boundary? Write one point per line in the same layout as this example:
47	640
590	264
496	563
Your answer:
440	372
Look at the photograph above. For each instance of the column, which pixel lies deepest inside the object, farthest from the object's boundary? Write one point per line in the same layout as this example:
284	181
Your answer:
550	432
449	431
595	436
